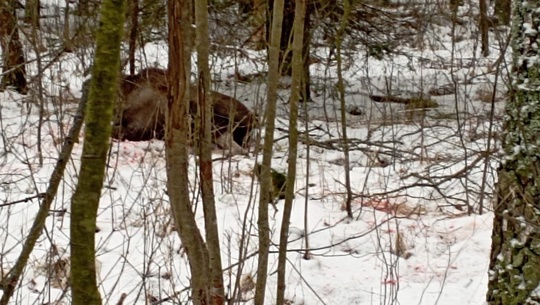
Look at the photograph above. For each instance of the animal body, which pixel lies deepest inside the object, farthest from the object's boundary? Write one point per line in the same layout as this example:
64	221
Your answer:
278	181
142	112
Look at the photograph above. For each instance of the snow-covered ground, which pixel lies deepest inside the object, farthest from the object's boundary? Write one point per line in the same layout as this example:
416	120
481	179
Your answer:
414	179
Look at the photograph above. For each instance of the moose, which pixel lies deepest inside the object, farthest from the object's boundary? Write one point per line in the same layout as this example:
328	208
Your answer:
142	112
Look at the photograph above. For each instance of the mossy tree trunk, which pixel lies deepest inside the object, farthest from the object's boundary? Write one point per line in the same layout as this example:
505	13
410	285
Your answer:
297	71
84	204
514	274
13	65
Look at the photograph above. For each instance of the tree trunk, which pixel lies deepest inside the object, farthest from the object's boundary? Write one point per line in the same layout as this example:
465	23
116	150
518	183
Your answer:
84	204
266	178
177	146
296	93
133	32
31	13
66	31
305	93
484	28
217	295
341	89
13	65
285	56
514	275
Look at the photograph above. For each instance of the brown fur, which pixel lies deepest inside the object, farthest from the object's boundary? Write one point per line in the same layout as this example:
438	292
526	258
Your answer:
143	105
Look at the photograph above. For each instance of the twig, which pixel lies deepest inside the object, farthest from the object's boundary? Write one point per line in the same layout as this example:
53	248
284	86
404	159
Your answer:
39	196
122	299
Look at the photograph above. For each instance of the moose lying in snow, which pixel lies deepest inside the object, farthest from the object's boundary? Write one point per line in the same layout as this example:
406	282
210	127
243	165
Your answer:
143	105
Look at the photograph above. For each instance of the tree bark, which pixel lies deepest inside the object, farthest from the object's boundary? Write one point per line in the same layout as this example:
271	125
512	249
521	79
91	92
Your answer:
514	275
484	28
177	146
266	178
285	56
286	41
217	295
66	32
305	96
133	32
84	204
341	89
13	65
296	92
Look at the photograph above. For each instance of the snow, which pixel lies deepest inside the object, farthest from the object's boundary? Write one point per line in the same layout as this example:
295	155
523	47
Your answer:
434	173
